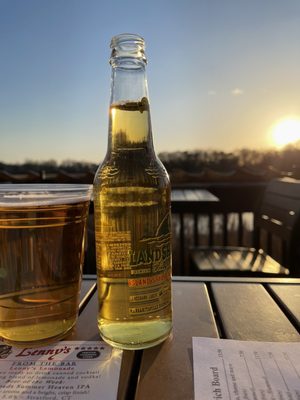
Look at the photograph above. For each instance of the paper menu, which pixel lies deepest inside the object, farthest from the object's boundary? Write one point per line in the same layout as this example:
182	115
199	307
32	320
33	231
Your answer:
68	370
242	370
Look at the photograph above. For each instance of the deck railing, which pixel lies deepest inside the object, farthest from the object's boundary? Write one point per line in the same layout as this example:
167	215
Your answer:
228	222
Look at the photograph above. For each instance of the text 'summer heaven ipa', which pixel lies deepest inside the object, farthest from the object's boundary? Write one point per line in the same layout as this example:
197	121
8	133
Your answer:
132	213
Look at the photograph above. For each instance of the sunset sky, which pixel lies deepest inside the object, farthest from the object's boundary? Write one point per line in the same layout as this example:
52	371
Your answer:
222	74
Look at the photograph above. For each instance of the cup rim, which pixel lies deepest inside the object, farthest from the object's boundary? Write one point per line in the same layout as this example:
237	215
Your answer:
35	194
43	186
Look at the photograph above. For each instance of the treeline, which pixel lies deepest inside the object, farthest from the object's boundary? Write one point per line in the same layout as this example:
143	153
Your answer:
49	166
286	160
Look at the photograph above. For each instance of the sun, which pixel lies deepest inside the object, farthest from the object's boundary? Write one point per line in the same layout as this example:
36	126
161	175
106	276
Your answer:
285	132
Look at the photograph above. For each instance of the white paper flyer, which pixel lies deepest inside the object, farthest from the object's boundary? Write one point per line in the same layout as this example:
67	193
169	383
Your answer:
240	370
74	370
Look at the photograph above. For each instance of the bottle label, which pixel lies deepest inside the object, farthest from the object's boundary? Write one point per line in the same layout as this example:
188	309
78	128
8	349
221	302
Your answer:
151	258
113	257
149	294
146	267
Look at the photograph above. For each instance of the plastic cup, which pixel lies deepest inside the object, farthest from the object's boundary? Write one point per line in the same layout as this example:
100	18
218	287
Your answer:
42	236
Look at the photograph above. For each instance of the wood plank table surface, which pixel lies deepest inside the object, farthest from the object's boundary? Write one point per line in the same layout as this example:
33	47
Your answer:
259	309
193	200
190	195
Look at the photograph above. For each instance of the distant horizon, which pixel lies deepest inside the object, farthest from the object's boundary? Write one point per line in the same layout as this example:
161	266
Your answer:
266	148
292	146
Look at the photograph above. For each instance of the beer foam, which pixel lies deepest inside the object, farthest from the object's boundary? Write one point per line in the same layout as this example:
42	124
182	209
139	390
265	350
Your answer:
16	195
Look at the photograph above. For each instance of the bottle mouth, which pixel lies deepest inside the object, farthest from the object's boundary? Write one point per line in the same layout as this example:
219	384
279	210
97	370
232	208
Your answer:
127	45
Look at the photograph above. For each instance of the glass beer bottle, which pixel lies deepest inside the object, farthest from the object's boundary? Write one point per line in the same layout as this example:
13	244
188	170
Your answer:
132	213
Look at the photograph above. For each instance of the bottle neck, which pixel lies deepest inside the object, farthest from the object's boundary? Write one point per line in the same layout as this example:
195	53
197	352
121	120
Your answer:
129	117
129	80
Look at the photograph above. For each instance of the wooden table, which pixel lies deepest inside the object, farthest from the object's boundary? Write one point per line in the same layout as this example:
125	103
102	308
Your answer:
262	309
192	198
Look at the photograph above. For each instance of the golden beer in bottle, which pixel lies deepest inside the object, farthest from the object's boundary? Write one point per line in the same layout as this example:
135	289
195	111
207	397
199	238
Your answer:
132	213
